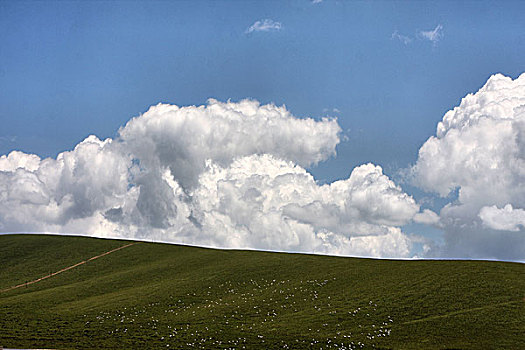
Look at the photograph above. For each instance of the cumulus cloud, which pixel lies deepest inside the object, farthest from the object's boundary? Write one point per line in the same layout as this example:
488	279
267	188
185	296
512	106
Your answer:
264	25
432	35
234	175
267	202
52	192
479	151
16	160
504	219
224	174
183	138
427	217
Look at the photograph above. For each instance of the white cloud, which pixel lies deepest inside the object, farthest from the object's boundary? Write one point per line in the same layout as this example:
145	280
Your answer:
403	38
432	35
268	203
479	151
183	138
331	110
224	174
49	193
427	217
504	219
264	25
17	159
317	1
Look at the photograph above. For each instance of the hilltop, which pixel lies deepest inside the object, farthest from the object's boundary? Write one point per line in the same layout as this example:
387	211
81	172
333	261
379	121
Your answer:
163	295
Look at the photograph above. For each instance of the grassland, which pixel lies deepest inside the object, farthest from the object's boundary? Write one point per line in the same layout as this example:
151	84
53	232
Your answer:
167	296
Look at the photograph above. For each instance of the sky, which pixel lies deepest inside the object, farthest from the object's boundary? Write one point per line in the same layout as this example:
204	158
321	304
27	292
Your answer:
387	71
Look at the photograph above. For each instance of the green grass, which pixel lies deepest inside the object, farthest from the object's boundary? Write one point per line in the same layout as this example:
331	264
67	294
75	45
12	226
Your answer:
169	296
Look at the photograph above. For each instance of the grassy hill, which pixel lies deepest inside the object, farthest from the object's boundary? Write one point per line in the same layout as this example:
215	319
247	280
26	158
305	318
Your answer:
167	296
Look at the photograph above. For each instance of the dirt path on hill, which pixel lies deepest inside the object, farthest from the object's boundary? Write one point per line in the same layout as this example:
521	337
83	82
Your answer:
67	268
459	312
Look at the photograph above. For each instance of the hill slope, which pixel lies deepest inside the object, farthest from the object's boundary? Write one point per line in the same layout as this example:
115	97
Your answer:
161	295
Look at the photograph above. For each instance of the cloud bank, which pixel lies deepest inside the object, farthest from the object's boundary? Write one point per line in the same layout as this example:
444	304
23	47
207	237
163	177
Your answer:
225	174
479	152
234	175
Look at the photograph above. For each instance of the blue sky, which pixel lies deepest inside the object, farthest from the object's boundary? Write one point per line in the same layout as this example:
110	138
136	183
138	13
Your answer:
71	69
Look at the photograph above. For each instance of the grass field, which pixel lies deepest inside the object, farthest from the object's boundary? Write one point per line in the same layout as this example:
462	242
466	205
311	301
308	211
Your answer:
175	297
